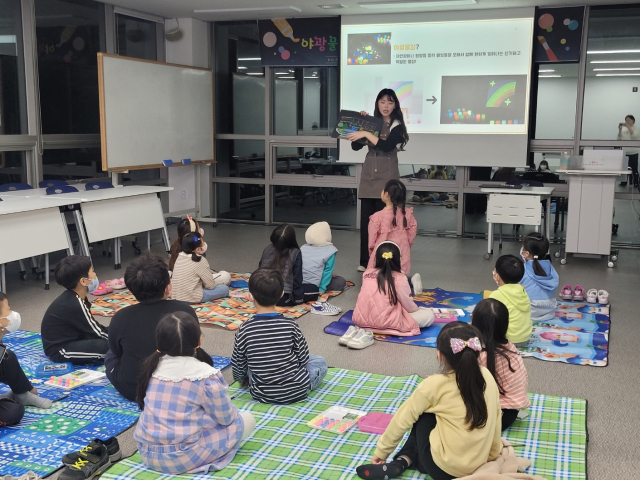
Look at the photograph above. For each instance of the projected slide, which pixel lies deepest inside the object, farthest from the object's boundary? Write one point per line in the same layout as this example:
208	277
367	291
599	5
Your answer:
450	77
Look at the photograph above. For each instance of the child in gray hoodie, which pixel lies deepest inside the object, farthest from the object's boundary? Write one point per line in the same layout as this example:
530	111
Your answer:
319	259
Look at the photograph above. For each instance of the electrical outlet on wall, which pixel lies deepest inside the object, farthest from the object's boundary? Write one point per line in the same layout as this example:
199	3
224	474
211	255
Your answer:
183	194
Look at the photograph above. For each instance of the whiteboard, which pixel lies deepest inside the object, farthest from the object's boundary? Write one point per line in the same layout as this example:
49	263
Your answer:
153	111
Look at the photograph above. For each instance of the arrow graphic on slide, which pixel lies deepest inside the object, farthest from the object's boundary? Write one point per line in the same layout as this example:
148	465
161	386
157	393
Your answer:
433	99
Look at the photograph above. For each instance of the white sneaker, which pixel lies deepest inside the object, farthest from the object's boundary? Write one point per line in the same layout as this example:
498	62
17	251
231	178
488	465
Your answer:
361	268
362	339
416	281
325	308
348	335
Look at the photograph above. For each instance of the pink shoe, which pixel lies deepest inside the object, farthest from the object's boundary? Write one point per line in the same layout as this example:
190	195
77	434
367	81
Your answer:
566	293
116	283
578	294
103	289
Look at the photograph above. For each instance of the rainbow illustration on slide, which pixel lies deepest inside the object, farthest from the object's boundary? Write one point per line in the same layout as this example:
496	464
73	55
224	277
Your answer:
403	90
500	93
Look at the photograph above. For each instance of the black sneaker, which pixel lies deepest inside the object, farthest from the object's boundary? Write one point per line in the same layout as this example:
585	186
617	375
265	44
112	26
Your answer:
88	466
113	449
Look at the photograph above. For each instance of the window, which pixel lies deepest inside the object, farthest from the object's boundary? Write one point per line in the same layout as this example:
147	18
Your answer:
68	39
310	204
240	158
320	162
556	102
240	85
428	172
613	72
72	163
239	201
13	167
306	100
136	37
13	113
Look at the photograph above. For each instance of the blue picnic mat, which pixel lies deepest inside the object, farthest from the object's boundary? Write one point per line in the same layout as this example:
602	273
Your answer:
435	297
43	437
578	334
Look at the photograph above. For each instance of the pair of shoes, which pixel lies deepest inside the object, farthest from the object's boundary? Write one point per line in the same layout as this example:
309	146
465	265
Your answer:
103	289
361	268
356	338
325	308
116	283
598	296
576	294
92	460
416	283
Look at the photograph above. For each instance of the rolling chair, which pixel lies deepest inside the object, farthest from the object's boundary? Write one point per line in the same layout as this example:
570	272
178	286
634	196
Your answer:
12	187
52	183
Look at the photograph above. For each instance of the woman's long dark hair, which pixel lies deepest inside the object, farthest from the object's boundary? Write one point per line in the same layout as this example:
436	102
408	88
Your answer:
184	227
283	239
537	245
491	318
465	364
398	196
190	242
396	114
177	335
386	267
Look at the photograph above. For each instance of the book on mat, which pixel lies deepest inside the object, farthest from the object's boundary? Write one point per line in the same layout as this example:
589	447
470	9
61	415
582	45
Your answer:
350	121
337	419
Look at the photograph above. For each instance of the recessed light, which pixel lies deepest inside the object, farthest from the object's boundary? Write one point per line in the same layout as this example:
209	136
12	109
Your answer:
617	74
249	9
416	3
611	69
614	61
598	52
249	59
332	7
242	68
549	76
545	71
251	73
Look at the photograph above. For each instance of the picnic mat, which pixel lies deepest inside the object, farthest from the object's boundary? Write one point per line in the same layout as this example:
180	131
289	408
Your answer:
228	313
553	436
43	437
578	334
435	297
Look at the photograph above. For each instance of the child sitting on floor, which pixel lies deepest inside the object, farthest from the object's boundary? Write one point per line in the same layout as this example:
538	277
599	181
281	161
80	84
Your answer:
454	417
270	354
396	223
188	423
319	259
69	331
193	281
283	255
502	359
385	304
22	391
540	278
186	225
507	274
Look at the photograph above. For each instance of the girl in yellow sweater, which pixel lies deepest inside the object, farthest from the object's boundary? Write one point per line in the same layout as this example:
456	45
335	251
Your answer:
454	417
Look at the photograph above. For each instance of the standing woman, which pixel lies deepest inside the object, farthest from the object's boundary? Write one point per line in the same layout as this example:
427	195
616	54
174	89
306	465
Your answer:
629	131
381	162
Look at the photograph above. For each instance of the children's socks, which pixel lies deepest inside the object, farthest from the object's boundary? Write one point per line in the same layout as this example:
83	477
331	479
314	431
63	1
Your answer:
382	471
29	399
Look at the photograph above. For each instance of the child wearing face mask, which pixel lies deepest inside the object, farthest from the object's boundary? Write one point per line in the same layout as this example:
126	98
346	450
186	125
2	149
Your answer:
544	166
69	331
193	281
22	393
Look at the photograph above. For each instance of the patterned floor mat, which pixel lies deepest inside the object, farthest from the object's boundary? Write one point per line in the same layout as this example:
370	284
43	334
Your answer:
553	436
43	437
578	334
228	313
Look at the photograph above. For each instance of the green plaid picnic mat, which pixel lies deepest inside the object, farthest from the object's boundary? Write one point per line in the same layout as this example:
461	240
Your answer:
553	436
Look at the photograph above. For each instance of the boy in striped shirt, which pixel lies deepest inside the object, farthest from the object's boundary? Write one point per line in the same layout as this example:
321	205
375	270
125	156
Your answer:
270	353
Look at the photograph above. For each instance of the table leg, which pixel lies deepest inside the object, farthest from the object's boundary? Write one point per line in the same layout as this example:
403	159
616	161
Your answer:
84	242
149	241
3	280
165	237
46	271
66	232
547	218
489	239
